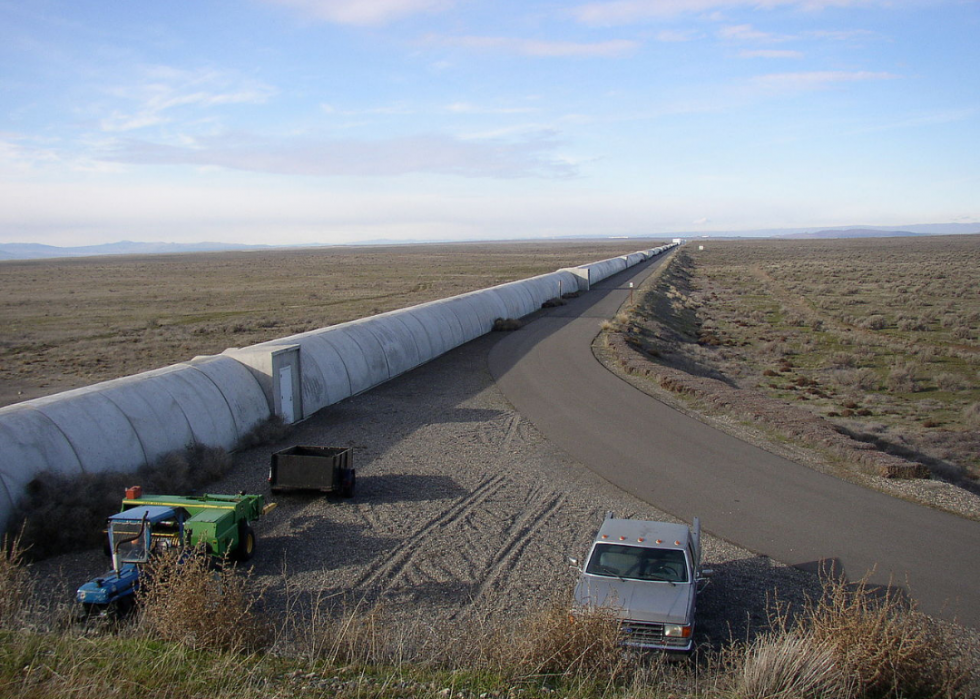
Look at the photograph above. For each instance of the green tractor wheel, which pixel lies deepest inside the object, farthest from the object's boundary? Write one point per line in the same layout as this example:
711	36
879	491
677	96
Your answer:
246	543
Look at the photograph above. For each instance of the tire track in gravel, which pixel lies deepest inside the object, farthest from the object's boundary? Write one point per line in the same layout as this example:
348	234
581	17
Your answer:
517	537
395	566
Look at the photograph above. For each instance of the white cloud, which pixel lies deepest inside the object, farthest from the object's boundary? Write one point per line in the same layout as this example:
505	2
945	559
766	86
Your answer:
431	153
364	12
470	108
539	49
157	91
813	80
618	12
746	32
841	34
770	54
675	36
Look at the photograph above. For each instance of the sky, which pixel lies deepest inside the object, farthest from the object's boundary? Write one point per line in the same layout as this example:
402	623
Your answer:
340	121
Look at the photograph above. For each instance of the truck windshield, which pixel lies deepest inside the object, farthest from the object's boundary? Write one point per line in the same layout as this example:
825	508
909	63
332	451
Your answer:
129	540
638	563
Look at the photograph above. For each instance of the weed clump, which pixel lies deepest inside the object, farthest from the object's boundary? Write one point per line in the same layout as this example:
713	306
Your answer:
85	500
856	642
585	645
186	599
15	587
272	430
507	324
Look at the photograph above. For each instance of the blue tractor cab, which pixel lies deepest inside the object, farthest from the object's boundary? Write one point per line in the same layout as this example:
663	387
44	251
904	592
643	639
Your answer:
134	536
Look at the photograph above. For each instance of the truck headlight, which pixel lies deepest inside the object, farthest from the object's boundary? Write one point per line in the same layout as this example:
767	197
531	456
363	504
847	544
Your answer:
677	631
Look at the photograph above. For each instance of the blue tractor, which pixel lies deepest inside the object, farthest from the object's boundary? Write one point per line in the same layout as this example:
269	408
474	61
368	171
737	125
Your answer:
133	537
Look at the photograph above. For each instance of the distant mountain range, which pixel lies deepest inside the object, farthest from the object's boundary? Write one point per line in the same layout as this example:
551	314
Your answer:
854	233
35	251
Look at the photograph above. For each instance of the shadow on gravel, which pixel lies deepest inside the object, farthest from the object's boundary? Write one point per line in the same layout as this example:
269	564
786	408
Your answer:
407	487
316	543
743	596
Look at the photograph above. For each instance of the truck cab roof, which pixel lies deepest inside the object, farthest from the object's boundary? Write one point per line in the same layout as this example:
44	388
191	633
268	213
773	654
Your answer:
636	532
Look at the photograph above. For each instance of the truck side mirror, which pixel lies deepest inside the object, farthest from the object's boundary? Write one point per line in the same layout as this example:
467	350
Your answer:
573	562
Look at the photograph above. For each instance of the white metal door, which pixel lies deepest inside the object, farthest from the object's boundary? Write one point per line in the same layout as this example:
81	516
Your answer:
286	394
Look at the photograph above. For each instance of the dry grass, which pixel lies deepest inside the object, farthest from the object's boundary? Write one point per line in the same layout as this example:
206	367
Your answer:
789	666
882	645
856	642
554	642
15	582
200	632
185	598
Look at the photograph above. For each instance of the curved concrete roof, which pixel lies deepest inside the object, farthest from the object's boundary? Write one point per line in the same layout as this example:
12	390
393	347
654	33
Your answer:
126	423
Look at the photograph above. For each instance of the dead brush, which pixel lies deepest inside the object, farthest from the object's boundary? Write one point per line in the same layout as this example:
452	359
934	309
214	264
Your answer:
884	645
585	646
87	499
185	598
272	430
15	582
789	665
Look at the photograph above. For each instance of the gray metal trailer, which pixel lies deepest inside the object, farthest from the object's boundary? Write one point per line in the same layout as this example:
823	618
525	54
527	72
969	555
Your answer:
326	469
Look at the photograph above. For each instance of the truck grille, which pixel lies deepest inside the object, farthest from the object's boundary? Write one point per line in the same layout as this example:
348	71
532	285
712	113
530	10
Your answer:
642	633
646	634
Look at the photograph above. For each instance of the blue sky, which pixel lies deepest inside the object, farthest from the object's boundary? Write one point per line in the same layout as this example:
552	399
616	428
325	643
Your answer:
335	121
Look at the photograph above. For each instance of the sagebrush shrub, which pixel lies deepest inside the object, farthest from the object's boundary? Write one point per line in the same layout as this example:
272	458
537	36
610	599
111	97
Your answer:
901	378
882	645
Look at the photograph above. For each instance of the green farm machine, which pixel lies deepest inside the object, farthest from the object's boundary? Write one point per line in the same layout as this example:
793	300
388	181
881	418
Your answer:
151	524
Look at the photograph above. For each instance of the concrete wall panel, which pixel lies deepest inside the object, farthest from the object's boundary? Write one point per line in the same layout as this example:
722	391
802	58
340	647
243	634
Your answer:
423	338
442	325
471	313
333	383
243	394
353	357
604	269
206	409
516	300
30	443
371	350
99	432
400	348
158	420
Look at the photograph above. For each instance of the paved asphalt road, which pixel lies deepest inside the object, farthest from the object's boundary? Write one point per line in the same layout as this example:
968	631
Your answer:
743	494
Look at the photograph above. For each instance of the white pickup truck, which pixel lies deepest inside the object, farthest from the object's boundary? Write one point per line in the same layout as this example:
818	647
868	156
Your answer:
649	575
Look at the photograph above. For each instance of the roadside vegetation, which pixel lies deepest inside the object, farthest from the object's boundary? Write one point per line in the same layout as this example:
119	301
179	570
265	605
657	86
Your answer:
870	346
200	631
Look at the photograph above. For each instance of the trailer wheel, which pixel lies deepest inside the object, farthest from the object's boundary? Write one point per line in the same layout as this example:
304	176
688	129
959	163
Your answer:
246	543
347	484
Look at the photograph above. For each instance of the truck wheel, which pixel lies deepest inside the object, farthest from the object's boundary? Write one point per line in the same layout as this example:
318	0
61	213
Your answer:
347	484
246	544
